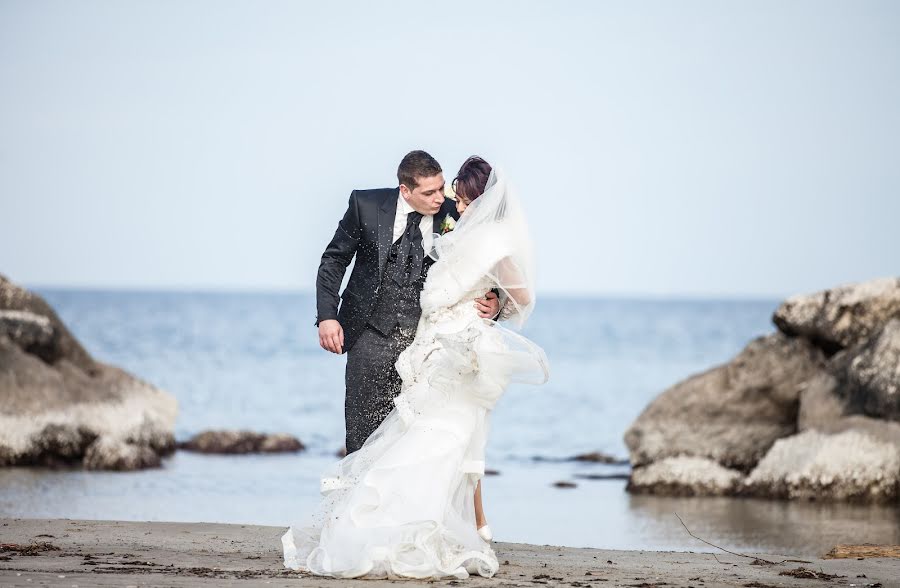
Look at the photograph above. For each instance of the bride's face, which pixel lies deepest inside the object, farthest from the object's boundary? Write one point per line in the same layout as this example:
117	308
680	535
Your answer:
461	204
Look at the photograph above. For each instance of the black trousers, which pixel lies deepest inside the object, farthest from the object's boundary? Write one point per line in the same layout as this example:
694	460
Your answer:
372	381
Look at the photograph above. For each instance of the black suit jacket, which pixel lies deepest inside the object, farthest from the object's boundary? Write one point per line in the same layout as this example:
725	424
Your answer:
365	231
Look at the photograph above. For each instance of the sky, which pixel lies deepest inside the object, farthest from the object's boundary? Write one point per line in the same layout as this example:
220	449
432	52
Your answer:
709	149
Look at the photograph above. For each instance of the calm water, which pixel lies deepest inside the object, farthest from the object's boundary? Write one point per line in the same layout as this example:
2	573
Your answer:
250	360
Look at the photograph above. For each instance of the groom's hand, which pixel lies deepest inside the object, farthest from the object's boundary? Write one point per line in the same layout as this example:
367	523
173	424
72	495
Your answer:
488	306
331	335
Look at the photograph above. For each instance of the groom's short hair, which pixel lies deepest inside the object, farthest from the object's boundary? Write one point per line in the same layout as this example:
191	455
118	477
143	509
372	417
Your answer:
417	164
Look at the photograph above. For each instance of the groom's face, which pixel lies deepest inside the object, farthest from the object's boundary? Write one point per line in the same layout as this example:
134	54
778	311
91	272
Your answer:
428	196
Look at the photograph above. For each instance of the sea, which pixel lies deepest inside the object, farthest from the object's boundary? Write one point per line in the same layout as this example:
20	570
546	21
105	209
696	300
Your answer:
251	360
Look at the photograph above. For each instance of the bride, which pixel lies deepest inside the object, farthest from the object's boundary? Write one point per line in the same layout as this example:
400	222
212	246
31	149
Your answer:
404	504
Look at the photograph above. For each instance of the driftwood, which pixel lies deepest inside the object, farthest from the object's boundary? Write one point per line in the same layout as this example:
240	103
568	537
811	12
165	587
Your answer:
756	560
862	551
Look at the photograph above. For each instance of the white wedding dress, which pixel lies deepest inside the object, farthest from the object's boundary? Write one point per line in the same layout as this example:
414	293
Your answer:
403	504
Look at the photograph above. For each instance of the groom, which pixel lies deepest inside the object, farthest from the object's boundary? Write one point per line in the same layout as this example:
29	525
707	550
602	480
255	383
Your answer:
389	231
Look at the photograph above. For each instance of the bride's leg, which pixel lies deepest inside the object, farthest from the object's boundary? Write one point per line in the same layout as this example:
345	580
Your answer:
479	508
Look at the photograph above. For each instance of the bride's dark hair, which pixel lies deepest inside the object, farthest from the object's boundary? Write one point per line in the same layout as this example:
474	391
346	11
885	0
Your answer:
471	178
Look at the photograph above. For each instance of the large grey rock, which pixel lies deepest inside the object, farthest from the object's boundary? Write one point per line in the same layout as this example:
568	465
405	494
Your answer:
59	405
732	413
835	360
840	317
854	465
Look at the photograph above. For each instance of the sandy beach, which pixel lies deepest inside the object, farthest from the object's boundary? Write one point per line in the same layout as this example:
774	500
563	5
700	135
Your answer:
70	553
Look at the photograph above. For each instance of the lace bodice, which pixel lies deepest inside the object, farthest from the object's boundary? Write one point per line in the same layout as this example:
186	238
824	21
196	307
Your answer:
438	309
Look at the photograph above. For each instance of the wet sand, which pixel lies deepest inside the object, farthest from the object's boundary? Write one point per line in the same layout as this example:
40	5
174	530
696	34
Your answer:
80	553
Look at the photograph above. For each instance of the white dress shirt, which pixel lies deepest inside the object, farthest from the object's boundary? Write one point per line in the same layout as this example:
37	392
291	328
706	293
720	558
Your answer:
426	225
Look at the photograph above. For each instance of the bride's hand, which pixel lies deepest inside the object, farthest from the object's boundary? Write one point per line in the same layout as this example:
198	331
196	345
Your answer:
488	306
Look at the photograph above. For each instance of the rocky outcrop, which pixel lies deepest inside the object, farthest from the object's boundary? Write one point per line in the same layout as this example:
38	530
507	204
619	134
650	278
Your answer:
732	413
804	413
60	406
241	442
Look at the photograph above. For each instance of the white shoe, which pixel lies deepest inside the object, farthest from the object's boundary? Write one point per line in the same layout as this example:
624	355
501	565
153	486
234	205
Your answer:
485	532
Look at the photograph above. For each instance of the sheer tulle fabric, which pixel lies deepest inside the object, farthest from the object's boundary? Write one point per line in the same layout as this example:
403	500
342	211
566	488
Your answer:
490	240
403	504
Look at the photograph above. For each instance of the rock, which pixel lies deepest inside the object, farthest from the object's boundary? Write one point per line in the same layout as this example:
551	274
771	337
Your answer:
850	465
616	476
56	400
840	317
732	413
869	374
684	476
598	457
233	442
564	484
794	410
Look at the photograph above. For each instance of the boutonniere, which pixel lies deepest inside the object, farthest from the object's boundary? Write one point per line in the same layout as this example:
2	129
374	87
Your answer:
447	224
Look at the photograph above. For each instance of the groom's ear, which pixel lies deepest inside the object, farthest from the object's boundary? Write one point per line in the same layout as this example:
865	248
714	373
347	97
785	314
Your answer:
405	191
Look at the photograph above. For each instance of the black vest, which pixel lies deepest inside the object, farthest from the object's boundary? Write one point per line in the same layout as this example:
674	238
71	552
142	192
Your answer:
398	304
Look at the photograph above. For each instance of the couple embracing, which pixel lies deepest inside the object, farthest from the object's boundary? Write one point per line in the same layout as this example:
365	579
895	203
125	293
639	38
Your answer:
422	323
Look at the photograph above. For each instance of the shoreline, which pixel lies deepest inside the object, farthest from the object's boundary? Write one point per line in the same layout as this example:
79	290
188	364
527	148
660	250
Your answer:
126	553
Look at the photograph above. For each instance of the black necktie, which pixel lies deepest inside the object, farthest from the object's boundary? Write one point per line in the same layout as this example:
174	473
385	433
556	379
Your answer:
410	252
